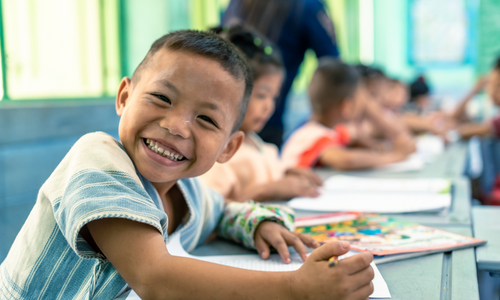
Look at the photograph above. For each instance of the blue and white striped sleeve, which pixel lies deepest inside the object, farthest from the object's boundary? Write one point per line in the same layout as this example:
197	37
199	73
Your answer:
97	180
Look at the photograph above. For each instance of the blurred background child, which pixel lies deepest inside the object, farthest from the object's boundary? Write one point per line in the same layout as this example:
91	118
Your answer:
336	94
491	128
255	171
376	126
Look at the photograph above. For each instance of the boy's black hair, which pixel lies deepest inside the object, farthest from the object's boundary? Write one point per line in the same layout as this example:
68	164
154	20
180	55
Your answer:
367	72
334	82
418	88
262	55
497	64
212	46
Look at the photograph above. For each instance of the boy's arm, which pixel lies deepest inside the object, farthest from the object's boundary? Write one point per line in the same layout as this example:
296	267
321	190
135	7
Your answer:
391	129
469	130
241	219
459	113
138	253
420	124
353	159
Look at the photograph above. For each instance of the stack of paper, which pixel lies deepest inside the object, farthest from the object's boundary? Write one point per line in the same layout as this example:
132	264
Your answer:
349	193
255	262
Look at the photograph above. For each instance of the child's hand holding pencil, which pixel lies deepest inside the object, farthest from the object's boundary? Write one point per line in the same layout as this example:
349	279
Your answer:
323	276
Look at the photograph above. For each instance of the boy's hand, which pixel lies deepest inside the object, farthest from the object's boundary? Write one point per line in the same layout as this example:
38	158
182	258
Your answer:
290	187
307	174
270	233
349	279
404	144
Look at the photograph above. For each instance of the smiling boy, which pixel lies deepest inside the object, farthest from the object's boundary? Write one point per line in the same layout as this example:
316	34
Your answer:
102	219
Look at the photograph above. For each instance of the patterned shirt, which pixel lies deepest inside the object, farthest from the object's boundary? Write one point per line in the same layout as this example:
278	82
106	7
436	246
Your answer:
51	260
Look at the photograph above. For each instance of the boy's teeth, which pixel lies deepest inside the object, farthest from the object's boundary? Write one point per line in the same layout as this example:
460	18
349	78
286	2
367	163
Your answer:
163	152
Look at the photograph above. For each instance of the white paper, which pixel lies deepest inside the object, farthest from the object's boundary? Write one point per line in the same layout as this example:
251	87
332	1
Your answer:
254	262
372	202
343	183
430	144
414	162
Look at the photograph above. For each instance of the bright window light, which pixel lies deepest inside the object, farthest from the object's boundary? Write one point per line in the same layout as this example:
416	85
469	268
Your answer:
366	32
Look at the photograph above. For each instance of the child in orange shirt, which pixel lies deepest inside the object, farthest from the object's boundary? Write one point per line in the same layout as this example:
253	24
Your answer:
336	94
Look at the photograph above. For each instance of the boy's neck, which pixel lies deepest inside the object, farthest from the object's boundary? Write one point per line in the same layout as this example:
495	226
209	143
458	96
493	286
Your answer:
325	120
174	204
163	187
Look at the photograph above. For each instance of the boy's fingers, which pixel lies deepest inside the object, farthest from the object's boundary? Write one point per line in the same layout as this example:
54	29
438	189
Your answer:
279	243
330	249
362	277
315	178
308	240
356	262
363	292
294	240
262	247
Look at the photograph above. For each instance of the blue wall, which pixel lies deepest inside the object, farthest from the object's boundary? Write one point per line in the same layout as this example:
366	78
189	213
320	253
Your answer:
33	140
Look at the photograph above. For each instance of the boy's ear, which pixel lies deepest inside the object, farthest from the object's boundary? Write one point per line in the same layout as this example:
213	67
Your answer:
232	146
347	109
122	95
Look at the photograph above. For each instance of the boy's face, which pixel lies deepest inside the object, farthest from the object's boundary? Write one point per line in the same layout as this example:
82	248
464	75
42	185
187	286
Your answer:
183	106
493	87
355	107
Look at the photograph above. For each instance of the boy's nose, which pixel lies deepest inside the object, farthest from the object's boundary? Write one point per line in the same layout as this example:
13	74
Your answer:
177	124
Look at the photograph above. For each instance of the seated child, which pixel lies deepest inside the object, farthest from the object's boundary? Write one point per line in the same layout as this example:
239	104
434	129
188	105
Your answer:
255	171
396	98
335	93
376	126
102	219
491	128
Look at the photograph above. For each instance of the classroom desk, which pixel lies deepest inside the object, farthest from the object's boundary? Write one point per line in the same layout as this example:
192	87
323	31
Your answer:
450	164
486	226
450	275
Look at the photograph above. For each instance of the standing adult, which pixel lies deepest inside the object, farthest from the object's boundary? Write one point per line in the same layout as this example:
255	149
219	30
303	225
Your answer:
295	26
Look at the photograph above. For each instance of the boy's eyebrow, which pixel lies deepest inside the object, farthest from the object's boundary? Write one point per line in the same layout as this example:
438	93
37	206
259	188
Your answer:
169	85
210	105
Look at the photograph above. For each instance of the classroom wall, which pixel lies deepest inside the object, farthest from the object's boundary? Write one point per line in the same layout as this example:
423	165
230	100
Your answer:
33	140
391	52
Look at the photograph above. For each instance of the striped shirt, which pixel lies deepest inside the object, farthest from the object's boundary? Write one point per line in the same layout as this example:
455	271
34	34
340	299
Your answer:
96	179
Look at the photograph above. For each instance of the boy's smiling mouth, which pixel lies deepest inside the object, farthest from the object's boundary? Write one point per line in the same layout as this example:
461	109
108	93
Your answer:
161	150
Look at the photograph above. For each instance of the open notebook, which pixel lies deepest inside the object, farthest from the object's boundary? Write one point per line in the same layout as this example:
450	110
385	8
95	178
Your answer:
254	262
379	195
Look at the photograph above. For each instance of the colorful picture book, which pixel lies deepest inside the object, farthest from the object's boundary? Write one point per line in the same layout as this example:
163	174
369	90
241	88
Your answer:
382	235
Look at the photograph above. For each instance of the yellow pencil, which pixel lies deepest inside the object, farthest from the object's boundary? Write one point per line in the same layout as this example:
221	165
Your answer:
333	261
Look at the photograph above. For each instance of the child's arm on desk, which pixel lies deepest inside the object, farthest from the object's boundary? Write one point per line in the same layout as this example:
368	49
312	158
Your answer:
355	159
139	254
297	182
466	131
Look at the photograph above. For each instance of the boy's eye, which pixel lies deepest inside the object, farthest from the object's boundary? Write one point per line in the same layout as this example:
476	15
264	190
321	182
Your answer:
261	96
162	98
209	120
